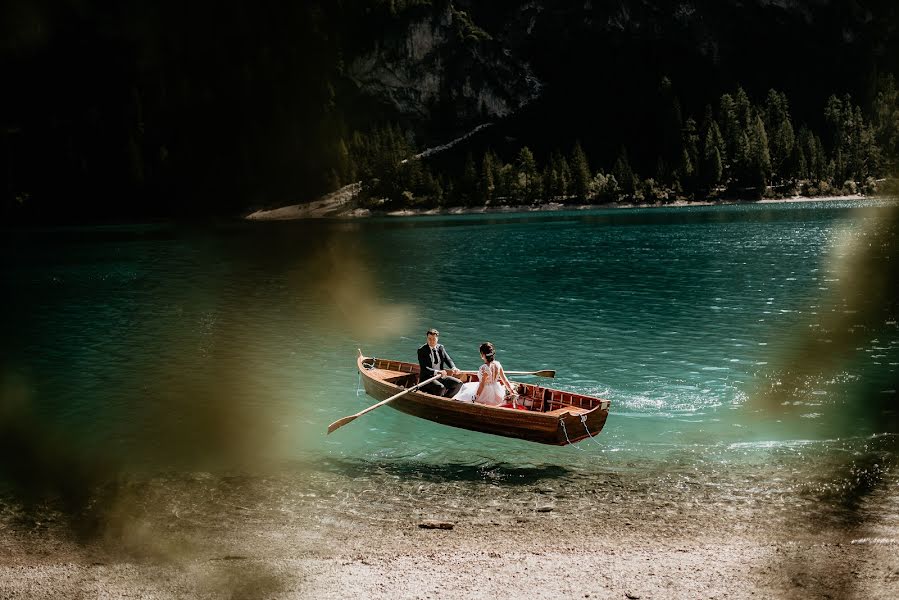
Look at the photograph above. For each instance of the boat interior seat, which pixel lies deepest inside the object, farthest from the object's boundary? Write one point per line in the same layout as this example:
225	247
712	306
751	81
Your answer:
537	394
388	376
560	399
568	409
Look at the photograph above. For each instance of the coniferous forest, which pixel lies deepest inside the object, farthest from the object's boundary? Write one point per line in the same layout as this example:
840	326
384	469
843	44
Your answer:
165	109
736	149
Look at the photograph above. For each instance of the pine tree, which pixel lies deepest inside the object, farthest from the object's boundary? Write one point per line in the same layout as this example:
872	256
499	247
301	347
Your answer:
670	130
782	150
715	169
855	152
559	176
799	164
527	176
712	138
565	177
683	176
885	121
691	140
737	115
806	141
866	155
623	174
732	132
743	107
712	169
708	116
508	178
781	139
486	184
837	115
833	117
435	190
691	161
549	179
580	173
346	171
825	166
468	186
446	184
501	181
661	168
760	159
858	170
829	171
740	169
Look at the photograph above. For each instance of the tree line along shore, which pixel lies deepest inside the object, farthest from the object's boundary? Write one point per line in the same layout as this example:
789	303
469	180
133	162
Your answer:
736	150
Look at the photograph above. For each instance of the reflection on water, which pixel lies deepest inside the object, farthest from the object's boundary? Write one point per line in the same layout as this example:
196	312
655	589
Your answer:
230	348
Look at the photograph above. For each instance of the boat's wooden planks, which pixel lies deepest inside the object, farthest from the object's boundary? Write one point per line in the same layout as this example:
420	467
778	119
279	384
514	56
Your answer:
568	409
568	417
387	375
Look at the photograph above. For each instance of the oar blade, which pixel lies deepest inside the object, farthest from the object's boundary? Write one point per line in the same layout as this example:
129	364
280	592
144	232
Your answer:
545	373
340	423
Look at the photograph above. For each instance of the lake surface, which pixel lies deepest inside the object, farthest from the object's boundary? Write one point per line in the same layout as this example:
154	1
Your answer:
747	339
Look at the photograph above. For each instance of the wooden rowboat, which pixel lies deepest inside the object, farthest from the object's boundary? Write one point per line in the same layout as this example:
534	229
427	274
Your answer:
551	417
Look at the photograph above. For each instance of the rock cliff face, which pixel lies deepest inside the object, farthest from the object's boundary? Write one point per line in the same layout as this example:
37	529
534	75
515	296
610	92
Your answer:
442	66
469	61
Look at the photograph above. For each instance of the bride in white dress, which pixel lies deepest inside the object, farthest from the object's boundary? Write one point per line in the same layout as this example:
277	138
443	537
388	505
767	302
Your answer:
492	383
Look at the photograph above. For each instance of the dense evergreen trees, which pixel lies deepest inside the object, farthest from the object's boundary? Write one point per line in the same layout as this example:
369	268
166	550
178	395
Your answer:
885	122
741	150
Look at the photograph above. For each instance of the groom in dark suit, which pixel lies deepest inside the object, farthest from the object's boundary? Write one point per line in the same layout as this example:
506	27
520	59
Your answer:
433	360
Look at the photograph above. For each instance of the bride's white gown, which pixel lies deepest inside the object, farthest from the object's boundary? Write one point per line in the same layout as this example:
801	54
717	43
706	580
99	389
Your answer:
493	394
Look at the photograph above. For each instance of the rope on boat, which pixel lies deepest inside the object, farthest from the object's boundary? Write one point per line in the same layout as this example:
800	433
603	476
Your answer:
565	430
367	367
584	423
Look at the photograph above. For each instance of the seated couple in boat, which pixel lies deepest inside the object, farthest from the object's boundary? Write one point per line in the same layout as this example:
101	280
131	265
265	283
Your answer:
490	388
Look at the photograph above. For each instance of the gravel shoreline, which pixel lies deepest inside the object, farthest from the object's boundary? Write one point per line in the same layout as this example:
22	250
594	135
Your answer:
263	538
555	558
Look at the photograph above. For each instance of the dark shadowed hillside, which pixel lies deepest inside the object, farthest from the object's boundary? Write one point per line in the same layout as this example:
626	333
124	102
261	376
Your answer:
164	108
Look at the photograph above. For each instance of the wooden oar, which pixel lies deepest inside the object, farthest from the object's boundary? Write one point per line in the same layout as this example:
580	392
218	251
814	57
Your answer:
544	373
341	422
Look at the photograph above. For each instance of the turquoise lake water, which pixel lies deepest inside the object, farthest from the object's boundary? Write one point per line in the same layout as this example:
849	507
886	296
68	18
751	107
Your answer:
173	347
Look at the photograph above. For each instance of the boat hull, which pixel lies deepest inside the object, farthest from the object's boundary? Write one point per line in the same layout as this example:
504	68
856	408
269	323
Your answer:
564	425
